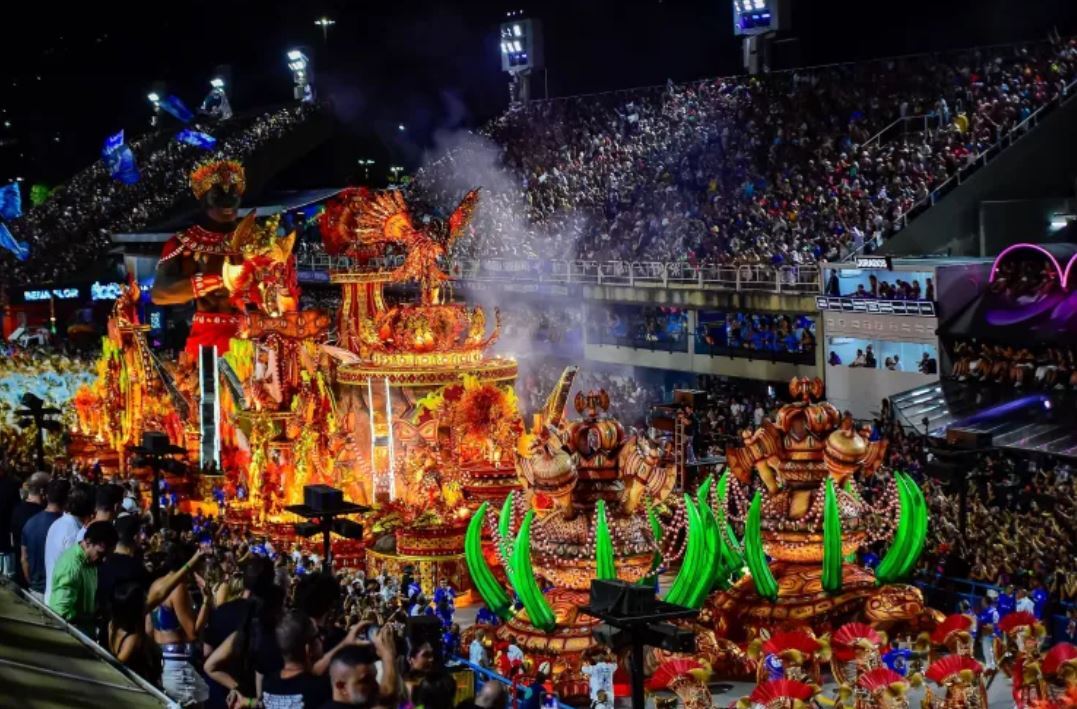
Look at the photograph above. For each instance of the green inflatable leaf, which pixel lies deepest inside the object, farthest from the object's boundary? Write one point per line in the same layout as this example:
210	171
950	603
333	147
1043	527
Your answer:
832	568
765	585
485	582
604	567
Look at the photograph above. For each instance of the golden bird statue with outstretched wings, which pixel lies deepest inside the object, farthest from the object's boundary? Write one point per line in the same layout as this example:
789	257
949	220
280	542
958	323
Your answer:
360	219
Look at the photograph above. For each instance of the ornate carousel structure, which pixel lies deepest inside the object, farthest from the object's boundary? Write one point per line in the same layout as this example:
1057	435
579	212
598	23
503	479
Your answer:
431	417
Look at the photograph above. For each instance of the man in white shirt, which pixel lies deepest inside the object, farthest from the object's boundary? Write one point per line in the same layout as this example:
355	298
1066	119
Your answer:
514	653
476	651
600	676
758	415
63	533
1024	603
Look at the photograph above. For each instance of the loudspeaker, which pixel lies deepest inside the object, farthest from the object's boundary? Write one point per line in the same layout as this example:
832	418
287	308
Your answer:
156	442
620	598
672	638
967	440
348	529
322	498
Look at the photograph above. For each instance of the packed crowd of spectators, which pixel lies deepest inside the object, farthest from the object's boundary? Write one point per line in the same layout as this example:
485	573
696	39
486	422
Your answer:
630	326
216	616
1019	531
776	169
71	229
758	332
1043	367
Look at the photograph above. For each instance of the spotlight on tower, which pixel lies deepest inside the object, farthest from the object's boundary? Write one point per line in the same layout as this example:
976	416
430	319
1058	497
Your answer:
299	64
521	52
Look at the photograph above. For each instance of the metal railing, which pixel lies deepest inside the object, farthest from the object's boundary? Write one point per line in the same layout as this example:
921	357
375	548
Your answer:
972	164
646	274
659	343
703	348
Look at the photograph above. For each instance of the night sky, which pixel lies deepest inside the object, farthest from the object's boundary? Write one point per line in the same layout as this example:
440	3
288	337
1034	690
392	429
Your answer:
72	77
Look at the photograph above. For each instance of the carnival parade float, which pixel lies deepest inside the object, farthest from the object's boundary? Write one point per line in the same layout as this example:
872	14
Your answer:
432	419
399	405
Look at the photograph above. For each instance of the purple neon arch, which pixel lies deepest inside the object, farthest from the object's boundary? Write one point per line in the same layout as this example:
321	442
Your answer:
1069	269
1034	247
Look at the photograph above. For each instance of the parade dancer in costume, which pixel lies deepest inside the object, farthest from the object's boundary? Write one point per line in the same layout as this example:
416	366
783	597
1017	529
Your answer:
193	260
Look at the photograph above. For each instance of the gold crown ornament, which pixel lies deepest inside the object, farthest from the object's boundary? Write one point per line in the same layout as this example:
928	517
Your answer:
228	174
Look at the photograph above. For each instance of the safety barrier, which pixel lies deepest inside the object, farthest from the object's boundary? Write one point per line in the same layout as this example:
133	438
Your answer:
640	274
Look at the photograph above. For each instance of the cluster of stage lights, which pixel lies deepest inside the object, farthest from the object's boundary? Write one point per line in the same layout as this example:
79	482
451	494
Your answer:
751	5
512	40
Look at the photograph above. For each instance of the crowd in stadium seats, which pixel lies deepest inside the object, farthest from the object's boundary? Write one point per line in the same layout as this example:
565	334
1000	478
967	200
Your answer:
631	326
1020	524
71	229
777	169
1045	367
759	332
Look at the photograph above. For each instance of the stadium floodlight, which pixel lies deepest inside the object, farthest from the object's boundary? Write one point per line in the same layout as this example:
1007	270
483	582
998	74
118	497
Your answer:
217	82
521	51
400	127
325	23
299	64
154	98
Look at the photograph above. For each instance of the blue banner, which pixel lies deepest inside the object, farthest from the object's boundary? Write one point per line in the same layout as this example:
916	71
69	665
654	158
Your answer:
197	138
174	107
121	165
112	143
7	241
10	201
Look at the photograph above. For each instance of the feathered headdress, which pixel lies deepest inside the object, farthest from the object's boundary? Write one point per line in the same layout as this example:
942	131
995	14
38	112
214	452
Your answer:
942	670
226	173
883	678
1020	619
1059	658
780	693
956	623
672	669
851	636
795	644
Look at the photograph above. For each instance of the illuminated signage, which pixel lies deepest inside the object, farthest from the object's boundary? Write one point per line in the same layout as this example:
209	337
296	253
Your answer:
105	291
58	293
874	262
155	320
923	308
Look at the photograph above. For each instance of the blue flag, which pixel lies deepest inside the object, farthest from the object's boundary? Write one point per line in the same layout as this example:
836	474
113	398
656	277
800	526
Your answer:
197	138
174	107
10	201
112	143
7	241
120	159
